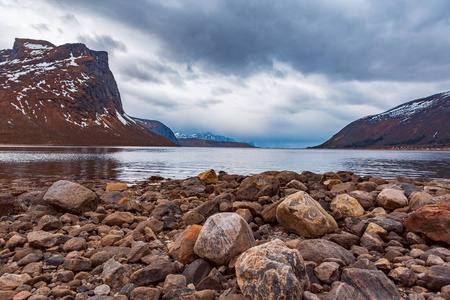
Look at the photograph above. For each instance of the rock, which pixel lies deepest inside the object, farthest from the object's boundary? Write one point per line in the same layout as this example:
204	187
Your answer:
174	281
253	207
153	273
8	295
114	274
182	249
437	277
388	224
257	186
295	184
343	188
165	209
192	217
77	264
344	239
372	284
209	177
12	281
366	199
43	239
146	293
392	199
327	272
377	229
48	223
71	197
102	290
75	244
372	242
272	271
301	214
347	206
343	291
432	260
403	276
32	257
204	295
213	281
420	199
223	236
192	186
179	294
15	241
432	220
318	250
269	213
118	186
118	218
138	250
196	271
8	205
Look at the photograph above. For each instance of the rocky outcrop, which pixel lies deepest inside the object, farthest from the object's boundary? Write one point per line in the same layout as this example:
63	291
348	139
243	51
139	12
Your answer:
70	197
272	271
64	95
415	124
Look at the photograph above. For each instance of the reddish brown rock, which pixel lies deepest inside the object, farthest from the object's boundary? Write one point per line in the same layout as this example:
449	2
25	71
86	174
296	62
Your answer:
223	237
432	220
303	215
119	186
272	271
183	247
118	218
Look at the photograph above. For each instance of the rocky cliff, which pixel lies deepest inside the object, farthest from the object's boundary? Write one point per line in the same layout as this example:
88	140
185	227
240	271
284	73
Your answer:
421	123
64	95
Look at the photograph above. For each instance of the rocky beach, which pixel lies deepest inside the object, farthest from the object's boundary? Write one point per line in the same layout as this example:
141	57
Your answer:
274	235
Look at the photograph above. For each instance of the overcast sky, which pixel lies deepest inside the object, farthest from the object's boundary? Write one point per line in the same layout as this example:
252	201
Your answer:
284	73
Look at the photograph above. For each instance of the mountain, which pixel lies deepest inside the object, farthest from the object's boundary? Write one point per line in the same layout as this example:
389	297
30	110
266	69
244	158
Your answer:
64	95
158	128
421	123
211	143
204	136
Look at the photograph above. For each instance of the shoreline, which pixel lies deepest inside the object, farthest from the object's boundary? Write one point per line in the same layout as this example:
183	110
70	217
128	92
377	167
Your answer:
87	239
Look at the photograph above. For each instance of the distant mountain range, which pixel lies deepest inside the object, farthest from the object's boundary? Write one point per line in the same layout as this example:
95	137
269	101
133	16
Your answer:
207	139
66	95
421	123
204	136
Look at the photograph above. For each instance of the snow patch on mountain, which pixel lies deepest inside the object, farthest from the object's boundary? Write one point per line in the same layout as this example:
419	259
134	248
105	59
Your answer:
203	136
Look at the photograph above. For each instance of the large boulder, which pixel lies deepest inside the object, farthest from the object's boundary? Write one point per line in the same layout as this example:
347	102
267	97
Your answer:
257	186
347	206
301	214
420	199
392	199
209	177
372	284
272	271
432	220
71	197
223	237
317	250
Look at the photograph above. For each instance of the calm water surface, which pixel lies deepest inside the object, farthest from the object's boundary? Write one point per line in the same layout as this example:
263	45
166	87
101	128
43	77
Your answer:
138	163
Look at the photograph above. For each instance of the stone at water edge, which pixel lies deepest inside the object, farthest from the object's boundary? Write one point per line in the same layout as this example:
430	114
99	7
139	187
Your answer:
223	237
116	186
257	186
301	214
432	220
272	271
392	199
209	176
347	206
71	197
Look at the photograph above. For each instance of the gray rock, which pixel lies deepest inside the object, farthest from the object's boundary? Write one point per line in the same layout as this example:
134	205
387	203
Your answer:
114	274
437	277
71	197
372	284
153	273
196	271
318	250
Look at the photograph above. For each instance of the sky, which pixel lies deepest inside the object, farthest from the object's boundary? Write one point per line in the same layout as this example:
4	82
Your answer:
285	73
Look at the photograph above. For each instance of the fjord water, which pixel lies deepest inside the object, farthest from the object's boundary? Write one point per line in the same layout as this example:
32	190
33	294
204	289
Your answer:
139	163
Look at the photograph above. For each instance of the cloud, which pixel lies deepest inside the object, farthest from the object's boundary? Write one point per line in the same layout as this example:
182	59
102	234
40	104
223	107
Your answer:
42	27
103	43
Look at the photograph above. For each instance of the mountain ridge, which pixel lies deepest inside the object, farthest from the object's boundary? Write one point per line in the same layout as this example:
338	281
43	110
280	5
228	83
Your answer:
417	124
64	95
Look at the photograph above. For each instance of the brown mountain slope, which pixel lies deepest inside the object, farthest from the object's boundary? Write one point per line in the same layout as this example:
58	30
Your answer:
421	123
64	95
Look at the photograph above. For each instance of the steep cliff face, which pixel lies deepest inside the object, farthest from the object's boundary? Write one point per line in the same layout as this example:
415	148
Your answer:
64	95
158	128
421	123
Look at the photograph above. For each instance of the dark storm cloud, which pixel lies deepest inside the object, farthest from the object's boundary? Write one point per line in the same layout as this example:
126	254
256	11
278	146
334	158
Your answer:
364	40
102	43
206	103
40	27
149	71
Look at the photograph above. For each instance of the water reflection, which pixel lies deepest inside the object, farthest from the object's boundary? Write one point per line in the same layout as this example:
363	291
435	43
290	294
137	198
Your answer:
138	163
